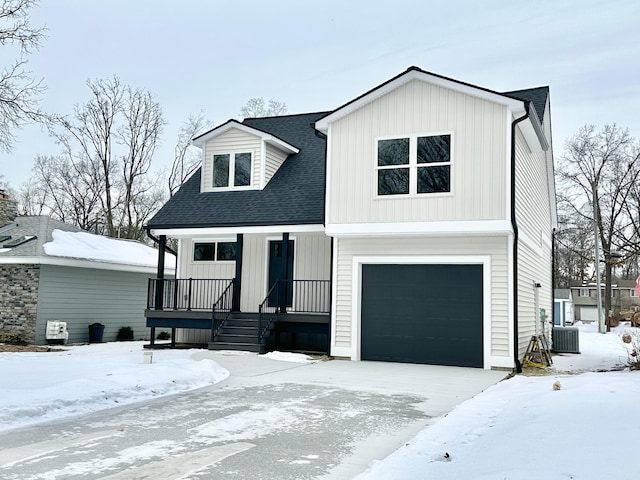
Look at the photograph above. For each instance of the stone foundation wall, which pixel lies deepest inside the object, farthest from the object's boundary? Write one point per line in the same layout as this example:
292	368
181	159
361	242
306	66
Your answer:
18	302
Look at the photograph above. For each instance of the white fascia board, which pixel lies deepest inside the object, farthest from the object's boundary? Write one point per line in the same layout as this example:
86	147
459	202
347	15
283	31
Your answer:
266	137
511	103
217	231
470	227
533	133
77	263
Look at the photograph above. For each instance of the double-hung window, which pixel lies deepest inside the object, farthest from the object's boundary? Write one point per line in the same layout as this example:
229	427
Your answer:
584	292
414	165
232	170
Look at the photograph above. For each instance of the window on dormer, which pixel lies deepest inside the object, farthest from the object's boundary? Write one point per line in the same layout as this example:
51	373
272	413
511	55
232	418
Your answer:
232	170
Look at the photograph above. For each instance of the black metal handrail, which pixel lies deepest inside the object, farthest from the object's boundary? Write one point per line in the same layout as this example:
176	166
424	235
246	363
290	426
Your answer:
221	310
266	312
309	296
185	293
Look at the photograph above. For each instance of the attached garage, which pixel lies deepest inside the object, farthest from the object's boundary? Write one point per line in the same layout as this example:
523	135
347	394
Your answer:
422	313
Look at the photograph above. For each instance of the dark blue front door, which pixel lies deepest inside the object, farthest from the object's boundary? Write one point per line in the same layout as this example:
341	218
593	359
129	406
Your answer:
277	266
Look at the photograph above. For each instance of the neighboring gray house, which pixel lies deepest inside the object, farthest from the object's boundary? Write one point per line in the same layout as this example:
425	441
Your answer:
51	271
411	224
585	299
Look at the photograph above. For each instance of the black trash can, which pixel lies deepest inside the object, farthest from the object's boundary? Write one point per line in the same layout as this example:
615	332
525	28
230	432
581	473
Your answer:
96	330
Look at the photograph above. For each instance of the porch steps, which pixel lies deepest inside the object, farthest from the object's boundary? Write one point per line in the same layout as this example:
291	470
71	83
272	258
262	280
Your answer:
240	332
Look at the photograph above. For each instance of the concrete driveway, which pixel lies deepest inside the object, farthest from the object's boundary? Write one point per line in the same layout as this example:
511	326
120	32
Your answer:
268	420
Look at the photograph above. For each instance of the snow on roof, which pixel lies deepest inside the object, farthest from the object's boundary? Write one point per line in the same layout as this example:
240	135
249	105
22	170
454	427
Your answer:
87	246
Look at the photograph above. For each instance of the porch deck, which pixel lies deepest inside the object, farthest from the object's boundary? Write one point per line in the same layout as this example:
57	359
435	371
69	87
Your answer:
279	323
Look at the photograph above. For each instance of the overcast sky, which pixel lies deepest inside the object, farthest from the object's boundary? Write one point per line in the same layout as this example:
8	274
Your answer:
215	55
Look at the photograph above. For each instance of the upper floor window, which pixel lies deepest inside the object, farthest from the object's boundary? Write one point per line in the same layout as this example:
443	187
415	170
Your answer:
214	251
232	170
414	165
584	292
632	292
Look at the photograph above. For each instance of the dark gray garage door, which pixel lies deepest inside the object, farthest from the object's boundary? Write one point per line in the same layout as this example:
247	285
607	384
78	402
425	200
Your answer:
422	314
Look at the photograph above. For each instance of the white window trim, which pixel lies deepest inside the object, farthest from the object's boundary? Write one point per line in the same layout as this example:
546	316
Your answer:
215	251
632	293
232	171
413	166
580	290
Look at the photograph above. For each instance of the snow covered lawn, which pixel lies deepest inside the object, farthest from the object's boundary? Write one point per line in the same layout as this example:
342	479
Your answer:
82	379
523	428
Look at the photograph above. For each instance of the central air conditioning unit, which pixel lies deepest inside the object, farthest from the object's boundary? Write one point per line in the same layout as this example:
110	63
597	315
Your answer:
566	340
57	332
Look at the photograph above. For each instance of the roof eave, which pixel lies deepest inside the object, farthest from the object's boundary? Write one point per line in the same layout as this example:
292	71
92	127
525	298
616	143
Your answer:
200	140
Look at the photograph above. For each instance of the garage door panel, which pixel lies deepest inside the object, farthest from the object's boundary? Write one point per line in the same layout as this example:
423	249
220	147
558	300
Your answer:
422	314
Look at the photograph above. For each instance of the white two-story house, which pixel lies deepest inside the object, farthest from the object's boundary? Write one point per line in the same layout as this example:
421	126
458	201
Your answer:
412	224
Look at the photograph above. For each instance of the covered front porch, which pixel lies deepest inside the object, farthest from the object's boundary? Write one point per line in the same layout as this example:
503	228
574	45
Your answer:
258	292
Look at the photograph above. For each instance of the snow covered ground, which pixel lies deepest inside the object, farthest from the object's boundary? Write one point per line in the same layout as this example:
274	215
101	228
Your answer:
523	428
519	429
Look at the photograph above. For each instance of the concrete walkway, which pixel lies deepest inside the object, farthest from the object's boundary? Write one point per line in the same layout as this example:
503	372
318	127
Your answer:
268	420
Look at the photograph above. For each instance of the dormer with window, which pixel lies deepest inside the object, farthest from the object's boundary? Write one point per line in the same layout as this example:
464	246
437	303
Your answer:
238	157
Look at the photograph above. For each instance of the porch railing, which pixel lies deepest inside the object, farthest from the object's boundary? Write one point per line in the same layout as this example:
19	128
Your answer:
221	310
185	293
301	296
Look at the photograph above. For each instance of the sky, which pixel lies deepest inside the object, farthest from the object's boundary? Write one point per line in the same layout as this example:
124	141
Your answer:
214	55
573	422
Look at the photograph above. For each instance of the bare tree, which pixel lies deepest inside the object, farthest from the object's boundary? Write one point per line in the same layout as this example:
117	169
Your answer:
255	107
597	172
187	157
100	181
140	133
19	91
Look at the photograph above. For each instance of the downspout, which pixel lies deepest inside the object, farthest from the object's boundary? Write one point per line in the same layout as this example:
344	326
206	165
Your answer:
167	248
553	279
514	226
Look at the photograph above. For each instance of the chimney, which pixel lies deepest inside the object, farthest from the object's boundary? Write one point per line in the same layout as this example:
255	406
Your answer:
8	209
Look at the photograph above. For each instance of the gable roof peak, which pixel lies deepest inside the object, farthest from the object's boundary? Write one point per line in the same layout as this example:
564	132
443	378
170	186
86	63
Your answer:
416	73
200	140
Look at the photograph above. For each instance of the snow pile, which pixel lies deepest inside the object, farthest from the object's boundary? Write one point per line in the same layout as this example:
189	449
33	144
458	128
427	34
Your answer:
289	357
557	426
82	379
87	246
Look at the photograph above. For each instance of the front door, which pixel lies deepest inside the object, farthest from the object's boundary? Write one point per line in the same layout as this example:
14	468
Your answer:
277	271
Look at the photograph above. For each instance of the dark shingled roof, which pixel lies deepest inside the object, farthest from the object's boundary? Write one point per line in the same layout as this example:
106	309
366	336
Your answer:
294	196
537	96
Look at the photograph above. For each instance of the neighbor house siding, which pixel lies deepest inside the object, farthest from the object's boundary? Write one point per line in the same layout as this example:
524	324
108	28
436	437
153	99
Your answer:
478	135
82	296
273	159
231	141
493	247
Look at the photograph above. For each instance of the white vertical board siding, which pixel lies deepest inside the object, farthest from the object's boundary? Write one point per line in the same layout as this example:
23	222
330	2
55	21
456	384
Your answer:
189	269
231	141
82	296
534	217
493	247
478	161
313	257
273	159
254	271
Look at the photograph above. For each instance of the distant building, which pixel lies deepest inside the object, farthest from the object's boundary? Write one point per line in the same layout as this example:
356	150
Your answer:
585	299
